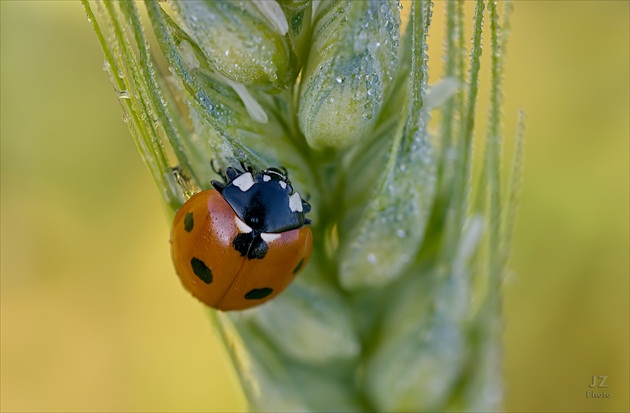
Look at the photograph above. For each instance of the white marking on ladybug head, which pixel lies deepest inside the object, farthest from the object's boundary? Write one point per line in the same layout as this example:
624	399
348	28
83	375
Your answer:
295	202
242	227
266	178
268	237
283	184
244	182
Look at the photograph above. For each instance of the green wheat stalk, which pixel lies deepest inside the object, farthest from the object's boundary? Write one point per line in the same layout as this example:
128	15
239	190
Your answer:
400	306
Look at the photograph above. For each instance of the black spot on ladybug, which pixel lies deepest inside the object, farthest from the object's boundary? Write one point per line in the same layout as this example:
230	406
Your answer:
189	222
250	245
242	242
298	267
201	270
258	293
258	249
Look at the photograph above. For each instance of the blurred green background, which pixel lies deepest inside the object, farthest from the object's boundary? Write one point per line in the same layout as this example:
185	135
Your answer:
93	317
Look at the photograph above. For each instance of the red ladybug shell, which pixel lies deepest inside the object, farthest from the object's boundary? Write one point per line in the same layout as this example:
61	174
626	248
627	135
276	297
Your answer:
213	271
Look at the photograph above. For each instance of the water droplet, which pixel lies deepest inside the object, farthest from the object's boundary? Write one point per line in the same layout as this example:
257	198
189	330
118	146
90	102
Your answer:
372	258
360	40
401	233
124	94
339	79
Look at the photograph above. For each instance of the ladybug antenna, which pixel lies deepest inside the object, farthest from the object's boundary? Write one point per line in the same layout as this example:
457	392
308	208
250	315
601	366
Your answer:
217	170
247	168
215	167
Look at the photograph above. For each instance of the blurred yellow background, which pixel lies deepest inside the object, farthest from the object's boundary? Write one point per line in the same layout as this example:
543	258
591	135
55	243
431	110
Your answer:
93	317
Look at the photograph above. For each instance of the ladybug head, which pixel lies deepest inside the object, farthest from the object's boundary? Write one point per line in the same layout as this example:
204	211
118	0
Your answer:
264	200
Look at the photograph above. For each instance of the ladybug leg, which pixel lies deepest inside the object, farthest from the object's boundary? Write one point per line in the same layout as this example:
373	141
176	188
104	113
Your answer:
218	185
306	207
282	171
231	174
180	176
184	181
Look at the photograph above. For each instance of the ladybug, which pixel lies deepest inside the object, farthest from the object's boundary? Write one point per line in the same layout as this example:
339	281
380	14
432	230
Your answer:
240	244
